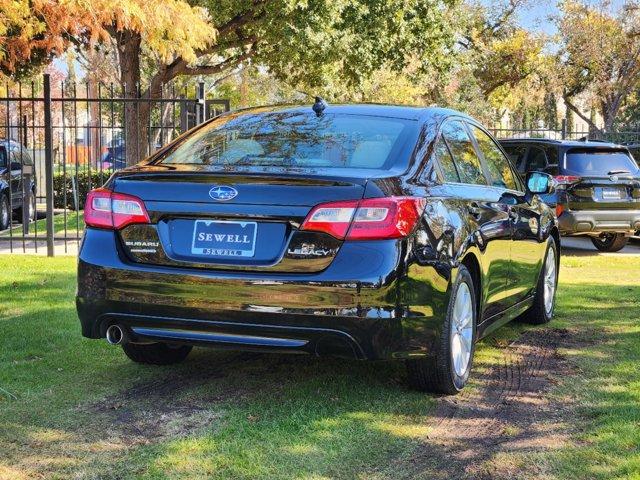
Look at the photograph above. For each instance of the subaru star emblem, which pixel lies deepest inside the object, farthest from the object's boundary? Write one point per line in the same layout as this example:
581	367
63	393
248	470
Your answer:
222	193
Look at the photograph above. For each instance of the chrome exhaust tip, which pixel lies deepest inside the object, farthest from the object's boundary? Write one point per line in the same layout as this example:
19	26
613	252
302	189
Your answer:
115	335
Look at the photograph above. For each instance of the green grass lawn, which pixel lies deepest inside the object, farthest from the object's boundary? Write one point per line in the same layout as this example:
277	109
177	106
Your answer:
71	222
77	408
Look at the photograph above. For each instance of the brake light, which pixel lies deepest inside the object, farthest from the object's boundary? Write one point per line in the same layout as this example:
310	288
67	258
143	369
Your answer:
566	179
368	219
559	209
107	209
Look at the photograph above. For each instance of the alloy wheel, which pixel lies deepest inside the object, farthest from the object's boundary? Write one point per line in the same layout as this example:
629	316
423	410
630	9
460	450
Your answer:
4	212
32	209
462	330
550	280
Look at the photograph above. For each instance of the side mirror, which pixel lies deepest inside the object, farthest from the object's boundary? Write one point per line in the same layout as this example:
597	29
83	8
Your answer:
540	183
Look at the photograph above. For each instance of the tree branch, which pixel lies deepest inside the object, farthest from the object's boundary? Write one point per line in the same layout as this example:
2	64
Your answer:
219	67
575	110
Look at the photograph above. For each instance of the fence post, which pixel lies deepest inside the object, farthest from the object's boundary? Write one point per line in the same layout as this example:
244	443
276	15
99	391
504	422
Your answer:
564	129
26	186
48	163
200	97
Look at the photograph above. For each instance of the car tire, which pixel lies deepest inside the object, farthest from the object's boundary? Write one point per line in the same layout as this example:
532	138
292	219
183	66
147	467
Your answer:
5	214
612	242
32	210
447	372
544	301
156	353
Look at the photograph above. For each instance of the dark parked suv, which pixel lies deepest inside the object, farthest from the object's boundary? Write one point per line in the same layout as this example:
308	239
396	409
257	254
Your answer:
368	231
16	178
597	186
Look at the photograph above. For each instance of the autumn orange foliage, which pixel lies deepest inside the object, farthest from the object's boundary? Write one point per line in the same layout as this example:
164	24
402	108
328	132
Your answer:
34	31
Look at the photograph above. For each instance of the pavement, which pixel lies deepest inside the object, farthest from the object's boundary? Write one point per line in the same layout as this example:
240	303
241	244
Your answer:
581	246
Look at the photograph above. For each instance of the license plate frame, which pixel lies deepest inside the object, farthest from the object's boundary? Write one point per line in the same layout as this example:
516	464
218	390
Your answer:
219	242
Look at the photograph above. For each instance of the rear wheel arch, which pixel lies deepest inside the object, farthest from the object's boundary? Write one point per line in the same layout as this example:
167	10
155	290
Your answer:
555	233
471	262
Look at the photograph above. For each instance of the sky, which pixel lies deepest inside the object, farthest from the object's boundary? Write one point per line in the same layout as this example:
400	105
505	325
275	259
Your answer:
536	16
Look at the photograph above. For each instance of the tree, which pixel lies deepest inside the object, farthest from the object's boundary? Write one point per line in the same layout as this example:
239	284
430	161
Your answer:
32	32
313	45
307	44
500	53
599	57
501	66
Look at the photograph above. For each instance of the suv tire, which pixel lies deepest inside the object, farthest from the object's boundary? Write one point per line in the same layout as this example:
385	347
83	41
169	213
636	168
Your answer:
32	209
443	372
610	242
156	353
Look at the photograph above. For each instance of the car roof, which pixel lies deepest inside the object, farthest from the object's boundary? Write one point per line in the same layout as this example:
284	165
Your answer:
4	142
405	112
564	143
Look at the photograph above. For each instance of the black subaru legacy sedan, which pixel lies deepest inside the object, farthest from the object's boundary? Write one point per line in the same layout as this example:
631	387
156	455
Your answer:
367	231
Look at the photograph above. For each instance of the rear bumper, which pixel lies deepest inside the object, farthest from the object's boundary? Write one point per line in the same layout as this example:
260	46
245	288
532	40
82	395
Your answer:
597	221
361	306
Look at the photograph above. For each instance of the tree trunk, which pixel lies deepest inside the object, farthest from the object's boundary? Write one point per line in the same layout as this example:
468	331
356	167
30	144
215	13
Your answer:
136	111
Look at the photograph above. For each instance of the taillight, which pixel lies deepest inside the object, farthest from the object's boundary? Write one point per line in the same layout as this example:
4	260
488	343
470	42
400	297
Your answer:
559	209
107	209
368	219
566	179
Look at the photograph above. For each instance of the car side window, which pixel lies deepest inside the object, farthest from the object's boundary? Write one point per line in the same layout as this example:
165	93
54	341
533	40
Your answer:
3	157
14	157
445	160
464	154
536	160
26	158
516	154
497	163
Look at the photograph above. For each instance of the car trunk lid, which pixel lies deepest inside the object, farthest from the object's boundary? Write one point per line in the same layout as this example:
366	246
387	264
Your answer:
231	221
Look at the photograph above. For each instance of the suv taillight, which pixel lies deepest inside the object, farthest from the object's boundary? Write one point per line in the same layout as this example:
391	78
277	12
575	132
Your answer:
566	179
368	219
107	209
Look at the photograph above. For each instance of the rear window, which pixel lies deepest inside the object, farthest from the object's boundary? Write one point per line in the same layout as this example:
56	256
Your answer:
298	139
599	163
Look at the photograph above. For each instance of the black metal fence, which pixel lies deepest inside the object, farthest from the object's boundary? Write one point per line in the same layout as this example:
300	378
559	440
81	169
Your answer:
58	140
565	131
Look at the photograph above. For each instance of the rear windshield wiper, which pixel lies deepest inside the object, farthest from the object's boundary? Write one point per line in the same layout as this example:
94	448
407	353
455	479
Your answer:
617	172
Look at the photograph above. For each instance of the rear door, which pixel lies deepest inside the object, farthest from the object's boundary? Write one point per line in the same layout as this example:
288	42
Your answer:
484	215
600	179
526	248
